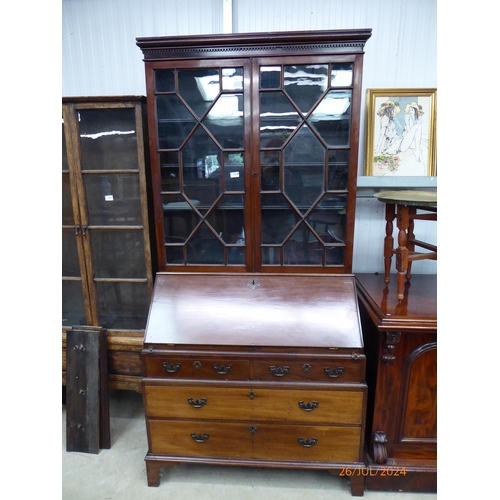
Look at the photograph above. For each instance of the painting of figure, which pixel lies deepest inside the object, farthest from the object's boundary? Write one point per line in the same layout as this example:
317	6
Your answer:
401	133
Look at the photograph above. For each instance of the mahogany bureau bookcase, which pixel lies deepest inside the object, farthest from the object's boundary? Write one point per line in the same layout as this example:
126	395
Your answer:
401	350
263	370
253	352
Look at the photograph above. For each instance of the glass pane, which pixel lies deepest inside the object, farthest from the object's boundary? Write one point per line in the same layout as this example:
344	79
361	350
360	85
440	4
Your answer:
278	218
270	77
175	122
304	169
169	165
335	256
338	169
199	88
70	263
118	254
341	75
328	218
278	118
332	118
165	80
225	121
206	247
122	304
305	84
302	248
234	172
64	153
200	156
108	139
67	208
73	305
228	219
113	199
232	79
179	218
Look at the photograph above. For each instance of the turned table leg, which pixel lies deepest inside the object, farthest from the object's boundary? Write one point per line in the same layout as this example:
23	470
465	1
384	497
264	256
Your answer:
402	251
388	241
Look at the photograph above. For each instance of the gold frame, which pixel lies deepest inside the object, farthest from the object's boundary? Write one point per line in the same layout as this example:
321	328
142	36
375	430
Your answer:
395	153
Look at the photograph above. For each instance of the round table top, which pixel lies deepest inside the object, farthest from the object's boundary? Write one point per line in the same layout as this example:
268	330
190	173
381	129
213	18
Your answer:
408	197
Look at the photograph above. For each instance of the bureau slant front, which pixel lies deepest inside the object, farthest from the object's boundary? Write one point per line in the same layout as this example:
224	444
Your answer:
263	370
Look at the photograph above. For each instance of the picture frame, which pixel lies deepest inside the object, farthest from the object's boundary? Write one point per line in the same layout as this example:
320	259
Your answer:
401	132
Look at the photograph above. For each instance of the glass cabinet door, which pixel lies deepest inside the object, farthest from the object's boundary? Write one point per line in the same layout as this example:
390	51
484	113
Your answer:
73	301
304	151
113	222
201	125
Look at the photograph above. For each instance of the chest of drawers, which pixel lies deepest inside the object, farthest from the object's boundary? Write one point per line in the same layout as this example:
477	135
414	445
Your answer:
260	370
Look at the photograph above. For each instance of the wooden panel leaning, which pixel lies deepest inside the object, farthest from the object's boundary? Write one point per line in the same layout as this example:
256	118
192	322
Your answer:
87	401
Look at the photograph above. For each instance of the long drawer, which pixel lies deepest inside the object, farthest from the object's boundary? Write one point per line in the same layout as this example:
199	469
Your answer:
308	404
249	440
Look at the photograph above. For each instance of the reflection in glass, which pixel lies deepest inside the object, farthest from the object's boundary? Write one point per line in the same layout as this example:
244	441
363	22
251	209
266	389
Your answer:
108	139
302	248
118	254
225	121
175	122
232	78
278	117
199	87
305	84
278	218
332	117
270	77
113	199
169	171
341	75
206	247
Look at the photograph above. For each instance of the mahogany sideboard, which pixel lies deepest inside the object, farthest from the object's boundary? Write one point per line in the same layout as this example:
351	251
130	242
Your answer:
401	349
263	370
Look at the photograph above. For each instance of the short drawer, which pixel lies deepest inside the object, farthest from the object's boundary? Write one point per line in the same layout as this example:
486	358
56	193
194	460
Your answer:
307	443
335	369
192	367
200	439
262	403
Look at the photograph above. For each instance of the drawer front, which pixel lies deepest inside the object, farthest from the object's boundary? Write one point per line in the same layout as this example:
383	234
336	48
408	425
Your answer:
200	439
335	369
213	368
307	405
307	443
302	443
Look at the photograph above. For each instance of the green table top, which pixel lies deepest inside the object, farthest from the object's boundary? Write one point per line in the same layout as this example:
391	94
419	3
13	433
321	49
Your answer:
408	197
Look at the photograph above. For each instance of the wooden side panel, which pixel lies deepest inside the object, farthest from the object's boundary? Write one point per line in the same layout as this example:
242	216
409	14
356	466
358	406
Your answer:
87	404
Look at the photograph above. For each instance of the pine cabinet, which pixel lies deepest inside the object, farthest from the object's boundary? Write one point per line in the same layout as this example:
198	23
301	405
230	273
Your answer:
107	274
254	149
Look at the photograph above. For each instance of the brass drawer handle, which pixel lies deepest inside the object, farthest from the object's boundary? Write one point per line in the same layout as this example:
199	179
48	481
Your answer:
171	367
279	371
222	369
307	443
308	406
334	372
200	438
197	403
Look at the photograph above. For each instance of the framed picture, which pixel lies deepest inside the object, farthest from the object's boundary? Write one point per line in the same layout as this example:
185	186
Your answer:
400	132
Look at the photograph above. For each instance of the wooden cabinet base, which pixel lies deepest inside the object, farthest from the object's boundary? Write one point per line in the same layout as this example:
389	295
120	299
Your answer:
154	464
401	475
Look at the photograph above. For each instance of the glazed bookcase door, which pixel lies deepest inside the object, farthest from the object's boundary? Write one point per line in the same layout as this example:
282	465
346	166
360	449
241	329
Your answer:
75	305
304	135
200	165
255	149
